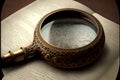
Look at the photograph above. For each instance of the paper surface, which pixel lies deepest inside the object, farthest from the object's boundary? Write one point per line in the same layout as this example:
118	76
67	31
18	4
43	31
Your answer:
17	30
68	33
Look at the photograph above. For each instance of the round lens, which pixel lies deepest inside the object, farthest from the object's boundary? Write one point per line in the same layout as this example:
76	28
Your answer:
68	33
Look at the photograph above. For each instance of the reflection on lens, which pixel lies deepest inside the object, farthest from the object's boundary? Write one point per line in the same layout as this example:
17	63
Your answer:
68	33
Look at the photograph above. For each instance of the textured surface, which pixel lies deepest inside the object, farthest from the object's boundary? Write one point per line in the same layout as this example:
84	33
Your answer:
17	30
68	33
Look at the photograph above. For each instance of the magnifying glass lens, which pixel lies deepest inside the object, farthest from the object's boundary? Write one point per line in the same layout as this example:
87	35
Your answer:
68	33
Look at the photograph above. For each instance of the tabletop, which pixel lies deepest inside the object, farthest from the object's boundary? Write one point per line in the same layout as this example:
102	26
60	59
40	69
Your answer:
17	30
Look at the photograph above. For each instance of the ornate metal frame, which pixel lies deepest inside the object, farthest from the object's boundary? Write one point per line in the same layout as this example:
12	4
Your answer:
63	58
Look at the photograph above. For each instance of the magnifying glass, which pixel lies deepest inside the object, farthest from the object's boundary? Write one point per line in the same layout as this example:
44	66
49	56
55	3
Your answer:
66	38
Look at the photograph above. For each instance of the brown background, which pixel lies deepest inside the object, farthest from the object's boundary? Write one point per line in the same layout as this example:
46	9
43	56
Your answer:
106	8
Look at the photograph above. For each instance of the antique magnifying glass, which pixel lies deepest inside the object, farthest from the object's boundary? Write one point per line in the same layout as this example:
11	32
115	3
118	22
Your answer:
66	38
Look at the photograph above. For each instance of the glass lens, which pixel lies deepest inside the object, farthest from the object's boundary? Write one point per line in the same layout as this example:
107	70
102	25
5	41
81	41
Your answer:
68	33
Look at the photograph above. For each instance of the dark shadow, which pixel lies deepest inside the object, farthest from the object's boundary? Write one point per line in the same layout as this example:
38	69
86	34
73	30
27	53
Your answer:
1	6
118	5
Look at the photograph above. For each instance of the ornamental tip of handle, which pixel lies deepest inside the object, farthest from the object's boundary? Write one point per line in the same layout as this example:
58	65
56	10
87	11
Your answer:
13	56
19	55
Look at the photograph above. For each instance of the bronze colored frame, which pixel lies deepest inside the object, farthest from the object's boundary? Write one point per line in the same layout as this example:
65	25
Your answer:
63	58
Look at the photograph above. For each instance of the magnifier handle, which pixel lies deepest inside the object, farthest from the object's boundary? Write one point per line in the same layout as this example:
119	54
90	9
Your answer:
19	55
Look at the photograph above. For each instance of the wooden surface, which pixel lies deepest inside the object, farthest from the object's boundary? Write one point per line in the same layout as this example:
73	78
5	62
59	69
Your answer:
17	30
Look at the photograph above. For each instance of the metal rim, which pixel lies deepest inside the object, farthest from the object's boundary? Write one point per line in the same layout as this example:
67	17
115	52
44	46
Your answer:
89	17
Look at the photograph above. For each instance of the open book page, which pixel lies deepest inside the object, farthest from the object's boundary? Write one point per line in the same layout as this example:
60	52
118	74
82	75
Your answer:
27	18
111	51
17	30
